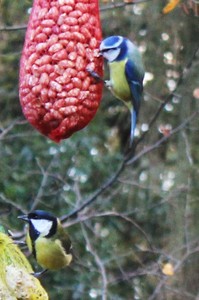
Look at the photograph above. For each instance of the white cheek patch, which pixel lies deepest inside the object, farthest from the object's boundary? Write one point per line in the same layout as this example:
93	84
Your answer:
42	226
111	54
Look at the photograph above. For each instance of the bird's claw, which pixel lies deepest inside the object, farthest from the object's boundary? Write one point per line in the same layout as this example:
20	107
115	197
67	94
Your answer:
95	75
39	274
108	84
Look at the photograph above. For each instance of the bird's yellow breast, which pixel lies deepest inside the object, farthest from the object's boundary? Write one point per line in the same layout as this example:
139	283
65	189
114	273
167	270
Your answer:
119	84
50	254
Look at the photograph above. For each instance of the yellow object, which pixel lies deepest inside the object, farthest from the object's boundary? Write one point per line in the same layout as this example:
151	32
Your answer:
52	256
16	280
168	269
170	6
119	82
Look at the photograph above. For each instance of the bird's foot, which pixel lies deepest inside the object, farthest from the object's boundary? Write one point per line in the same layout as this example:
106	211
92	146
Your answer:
98	78
39	274
108	84
95	75
16	242
20	243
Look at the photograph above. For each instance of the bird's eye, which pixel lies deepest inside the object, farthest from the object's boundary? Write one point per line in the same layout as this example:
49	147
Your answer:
113	48
108	49
34	216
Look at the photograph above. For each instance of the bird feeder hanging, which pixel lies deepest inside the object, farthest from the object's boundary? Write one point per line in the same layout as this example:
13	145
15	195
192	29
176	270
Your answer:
57	94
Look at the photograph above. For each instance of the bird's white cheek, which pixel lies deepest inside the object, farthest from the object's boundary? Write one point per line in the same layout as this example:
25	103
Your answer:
42	226
111	55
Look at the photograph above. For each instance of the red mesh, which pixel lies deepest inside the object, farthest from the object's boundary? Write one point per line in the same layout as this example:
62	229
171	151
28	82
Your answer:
57	94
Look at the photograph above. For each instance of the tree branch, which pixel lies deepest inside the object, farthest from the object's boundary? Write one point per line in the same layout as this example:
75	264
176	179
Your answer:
98	192
44	180
124	164
122	4
162	140
13	28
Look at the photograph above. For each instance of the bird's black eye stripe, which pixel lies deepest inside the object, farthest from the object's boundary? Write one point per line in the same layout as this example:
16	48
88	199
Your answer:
33	216
108	49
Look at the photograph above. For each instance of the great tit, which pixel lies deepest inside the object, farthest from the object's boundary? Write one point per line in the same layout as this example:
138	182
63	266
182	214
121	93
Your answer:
126	73
47	240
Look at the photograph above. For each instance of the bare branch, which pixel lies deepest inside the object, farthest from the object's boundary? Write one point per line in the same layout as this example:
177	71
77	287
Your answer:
188	148
45	174
13	28
98	192
111	214
150	270
181	292
98	262
6	130
12	203
163	139
122	4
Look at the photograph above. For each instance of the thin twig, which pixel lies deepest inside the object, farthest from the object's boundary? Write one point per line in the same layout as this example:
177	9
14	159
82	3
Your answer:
122	4
6	130
12	203
187	148
181	293
98	192
158	143
85	218
150	270
98	262
45	174
13	28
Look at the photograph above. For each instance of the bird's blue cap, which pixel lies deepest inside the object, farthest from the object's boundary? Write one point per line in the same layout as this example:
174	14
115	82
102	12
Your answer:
115	40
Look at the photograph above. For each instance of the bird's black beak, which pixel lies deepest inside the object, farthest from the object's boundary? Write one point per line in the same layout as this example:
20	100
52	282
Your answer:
24	218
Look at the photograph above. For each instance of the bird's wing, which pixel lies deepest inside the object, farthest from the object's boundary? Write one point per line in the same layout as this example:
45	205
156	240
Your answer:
65	240
135	83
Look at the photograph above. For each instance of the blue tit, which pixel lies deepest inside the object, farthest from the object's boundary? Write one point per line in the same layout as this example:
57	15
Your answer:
47	240
126	73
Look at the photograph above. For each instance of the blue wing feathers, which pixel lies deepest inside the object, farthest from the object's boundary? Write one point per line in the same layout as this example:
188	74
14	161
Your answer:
136	87
133	125
135	82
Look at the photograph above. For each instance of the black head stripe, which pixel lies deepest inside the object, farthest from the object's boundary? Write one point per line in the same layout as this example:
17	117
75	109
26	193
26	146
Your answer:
34	234
53	229
108	49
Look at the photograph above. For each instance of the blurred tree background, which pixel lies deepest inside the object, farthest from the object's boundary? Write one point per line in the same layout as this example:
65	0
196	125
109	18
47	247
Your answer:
138	239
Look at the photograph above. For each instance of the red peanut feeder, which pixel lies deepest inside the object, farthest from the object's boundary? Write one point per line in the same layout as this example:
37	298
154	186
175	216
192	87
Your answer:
57	94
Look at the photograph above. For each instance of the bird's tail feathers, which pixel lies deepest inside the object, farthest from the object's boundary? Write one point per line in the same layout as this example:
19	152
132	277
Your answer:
133	125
